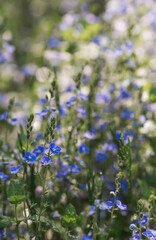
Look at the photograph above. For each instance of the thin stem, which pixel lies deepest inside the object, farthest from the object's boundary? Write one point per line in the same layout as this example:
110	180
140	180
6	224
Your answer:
17	223
42	199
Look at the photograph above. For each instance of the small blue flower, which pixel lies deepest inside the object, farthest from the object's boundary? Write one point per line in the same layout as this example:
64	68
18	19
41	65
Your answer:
74	168
38	150
91	210
106	205
144	220
42	113
13	121
54	149
132	227
126	113
86	237
2	58
2	234
71	101
53	42
3	177
3	115
101	156
118	135
120	205
29	157
42	101
124	94
128	44
83	148
45	160
15	169
148	234
136	237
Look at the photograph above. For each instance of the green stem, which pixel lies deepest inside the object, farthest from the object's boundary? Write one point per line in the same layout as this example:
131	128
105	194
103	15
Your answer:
17	223
42	199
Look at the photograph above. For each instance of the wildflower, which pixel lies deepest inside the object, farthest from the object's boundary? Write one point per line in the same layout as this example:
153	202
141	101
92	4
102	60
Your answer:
118	135
86	237
2	58
38	150
144	220
45	160
150	234
54	149
15	169
106	205
124	94
29	157
91	210
3	177
53	42
42	113
13	121
136	237
120	205
83	148
42	101
74	168
101	156
126	113
2	234
3	115
132	226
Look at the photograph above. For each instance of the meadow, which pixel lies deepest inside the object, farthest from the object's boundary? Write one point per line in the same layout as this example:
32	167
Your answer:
78	120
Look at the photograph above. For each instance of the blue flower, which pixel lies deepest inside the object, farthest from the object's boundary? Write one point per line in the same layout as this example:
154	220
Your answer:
53	42
2	234
118	135
132	227
3	115
136	237
126	113
29	157
13	121
42	101
106	205
54	149
45	160
144	220
3	177
124	94
128	44
148	234
86	237
42	113
91	210
109	146
71	101
74	168
15	169
120	205
151	234
2	58
83	148
101	156
38	150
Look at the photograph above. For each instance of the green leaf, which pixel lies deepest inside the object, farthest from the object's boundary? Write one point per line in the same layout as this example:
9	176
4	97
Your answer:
70	219
6	222
16	192
73	234
55	226
144	188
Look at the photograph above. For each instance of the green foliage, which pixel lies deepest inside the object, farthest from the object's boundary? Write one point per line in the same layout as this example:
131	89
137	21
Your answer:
16	192
70	219
145	191
6	222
